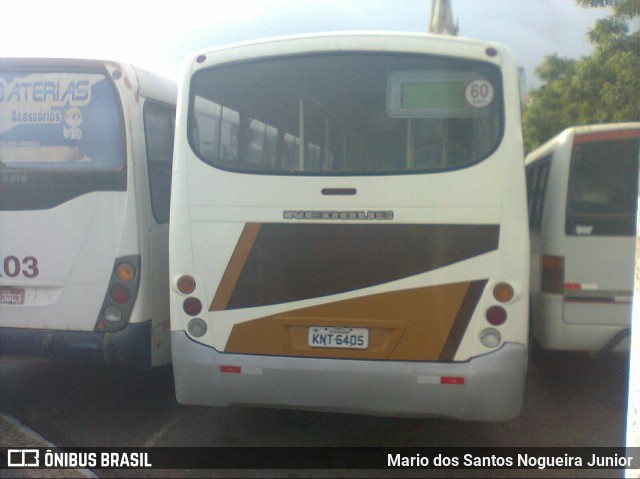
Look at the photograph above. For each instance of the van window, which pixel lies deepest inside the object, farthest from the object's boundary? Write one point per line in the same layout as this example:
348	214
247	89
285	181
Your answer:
603	189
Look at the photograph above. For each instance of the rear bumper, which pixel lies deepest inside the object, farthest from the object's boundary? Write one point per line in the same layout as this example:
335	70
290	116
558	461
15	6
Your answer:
491	390
130	346
560	325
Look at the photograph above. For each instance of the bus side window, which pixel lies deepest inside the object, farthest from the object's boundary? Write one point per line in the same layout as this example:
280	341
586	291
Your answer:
159	122
537	175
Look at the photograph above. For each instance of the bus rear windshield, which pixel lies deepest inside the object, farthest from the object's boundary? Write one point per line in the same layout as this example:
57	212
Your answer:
346	114
603	189
65	121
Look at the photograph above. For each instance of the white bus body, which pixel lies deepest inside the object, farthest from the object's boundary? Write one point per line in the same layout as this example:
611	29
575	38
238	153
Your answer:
582	187
85	171
347	212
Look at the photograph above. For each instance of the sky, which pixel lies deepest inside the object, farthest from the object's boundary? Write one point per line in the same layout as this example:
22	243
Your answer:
159	36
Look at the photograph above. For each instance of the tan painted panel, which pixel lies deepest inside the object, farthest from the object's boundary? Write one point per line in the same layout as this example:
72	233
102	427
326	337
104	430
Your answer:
234	268
405	325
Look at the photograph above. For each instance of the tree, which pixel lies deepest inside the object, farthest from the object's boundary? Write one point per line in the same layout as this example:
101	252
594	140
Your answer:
600	88
621	8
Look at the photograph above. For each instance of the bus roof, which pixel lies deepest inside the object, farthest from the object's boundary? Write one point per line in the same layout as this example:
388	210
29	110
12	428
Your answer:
360	40
156	86
150	84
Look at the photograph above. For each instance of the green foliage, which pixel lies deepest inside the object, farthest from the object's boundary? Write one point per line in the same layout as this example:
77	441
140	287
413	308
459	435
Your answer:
621	8
600	88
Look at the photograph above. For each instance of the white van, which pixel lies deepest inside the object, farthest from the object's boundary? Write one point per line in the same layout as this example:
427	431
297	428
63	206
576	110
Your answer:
582	190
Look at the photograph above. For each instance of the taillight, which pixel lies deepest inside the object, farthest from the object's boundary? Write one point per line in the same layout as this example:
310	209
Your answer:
490	338
125	272
113	314
496	315
186	284
503	292
120	294
192	306
553	274
197	327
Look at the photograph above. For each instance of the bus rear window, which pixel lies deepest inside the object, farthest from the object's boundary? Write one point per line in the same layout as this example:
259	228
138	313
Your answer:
59	121
346	114
603	189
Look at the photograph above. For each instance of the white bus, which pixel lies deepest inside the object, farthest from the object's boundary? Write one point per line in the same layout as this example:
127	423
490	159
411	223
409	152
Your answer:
85	178
583	191
348	227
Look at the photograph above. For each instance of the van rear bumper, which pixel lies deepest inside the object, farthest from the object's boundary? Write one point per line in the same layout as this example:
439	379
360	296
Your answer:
570	326
485	388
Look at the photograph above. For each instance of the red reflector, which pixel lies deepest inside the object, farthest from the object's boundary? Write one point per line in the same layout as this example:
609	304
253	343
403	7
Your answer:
230	369
496	315
552	274
451	380
572	286
192	306
120	294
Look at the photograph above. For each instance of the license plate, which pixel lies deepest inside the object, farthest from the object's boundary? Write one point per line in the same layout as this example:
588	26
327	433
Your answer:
9	295
349	338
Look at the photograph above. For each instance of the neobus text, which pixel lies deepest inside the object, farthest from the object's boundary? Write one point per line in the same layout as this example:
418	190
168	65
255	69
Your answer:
338	215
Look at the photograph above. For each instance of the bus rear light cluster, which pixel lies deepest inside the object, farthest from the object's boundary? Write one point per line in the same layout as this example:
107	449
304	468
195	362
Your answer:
192	306
496	315
121	294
